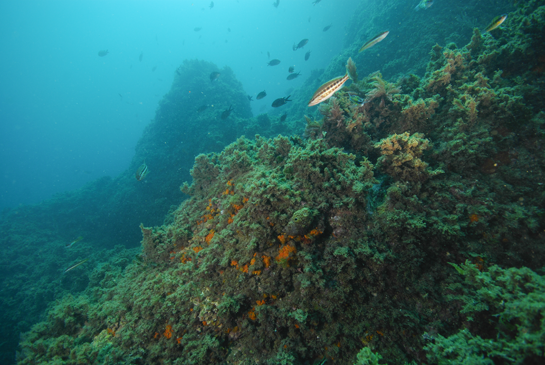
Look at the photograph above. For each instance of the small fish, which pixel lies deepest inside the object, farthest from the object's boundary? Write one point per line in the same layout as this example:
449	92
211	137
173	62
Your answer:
356	99
283	117
141	56
154	68
423	4
276	3
227	112
261	95
301	44
121	96
214	76
76	265
293	76
280	101
307	56
496	22
178	72
326	28
327	90
73	242
202	108
273	62
142	172
197	29
103	53
316	2
378	38
291	69
250	97
268	55
211	5
309	19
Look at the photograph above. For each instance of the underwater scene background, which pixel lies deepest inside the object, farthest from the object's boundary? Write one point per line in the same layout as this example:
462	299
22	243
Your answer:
399	221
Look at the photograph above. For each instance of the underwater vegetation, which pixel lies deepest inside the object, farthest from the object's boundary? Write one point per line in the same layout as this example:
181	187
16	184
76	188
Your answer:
406	225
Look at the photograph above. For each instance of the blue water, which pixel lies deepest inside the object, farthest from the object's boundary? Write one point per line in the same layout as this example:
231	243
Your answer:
68	116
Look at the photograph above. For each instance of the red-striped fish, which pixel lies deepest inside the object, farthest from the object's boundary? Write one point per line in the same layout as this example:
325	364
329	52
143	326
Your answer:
327	90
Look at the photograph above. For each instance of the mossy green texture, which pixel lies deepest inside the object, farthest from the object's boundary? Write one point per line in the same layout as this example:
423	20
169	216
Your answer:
506	315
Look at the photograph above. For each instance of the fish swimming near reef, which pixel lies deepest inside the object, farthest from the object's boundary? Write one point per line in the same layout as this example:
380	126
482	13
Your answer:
141	56
326	28
214	76
103	53
225	114
250	97
283	117
76	265
327	89
423	4
290	70
293	76
378	38
307	56
280	101
73	242
301	44
496	22
273	62
141	172
202	108
261	95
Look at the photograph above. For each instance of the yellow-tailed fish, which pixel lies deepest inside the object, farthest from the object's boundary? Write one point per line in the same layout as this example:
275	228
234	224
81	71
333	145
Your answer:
379	37
327	90
142	172
74	242
496	22
76	265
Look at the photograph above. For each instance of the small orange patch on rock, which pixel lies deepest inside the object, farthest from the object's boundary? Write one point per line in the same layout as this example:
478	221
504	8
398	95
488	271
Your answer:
168	331
197	249
266	261
111	332
473	218
209	236
252	315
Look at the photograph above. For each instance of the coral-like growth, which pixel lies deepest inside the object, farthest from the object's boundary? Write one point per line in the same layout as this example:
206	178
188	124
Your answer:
351	69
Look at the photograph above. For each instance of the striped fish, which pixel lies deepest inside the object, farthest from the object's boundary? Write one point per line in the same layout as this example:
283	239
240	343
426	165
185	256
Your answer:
327	90
370	43
142	172
76	265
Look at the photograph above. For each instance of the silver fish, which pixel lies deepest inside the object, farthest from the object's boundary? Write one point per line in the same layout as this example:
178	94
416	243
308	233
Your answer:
370	43
74	266
327	90
142	172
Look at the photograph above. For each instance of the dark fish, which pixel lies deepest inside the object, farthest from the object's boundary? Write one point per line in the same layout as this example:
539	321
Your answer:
121	96
290	70
103	53
276	3
326	28
154	68
283	117
197	29
178	72
214	76
250	97
378	38
316	2
280	101
293	76
307	56
202	108
301	44
142	172
261	95
211	5
141	56
273	62
225	114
